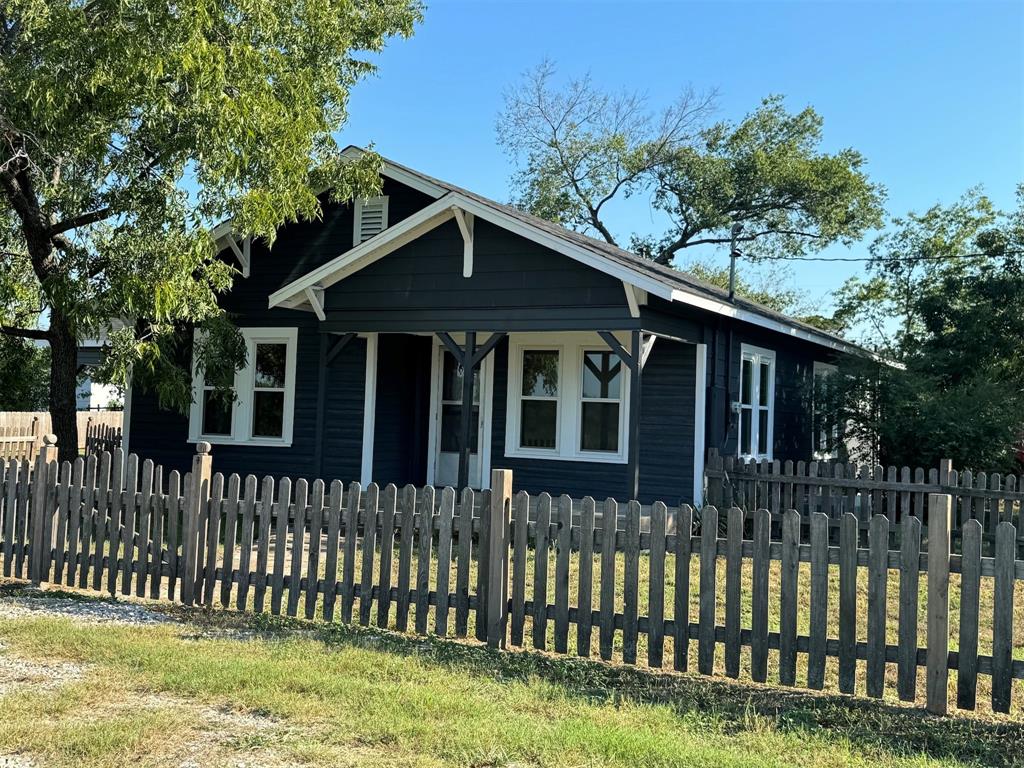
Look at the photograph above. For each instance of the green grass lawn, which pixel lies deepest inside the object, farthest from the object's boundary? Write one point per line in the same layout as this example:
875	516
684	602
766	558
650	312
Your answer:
267	691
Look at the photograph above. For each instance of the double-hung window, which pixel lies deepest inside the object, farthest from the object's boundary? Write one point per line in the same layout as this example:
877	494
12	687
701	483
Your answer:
566	401
757	402
261	410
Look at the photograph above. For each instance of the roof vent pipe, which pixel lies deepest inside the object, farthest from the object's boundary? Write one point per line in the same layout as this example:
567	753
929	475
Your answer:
733	253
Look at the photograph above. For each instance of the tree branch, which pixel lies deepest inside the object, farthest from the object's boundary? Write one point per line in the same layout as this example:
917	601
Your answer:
25	333
82	220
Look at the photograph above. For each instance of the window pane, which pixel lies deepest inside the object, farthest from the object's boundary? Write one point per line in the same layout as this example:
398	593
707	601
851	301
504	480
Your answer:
267	414
600	427
745	432
270	365
451	423
766	375
602	375
762	431
216	413
746	383
538	424
451	380
540	373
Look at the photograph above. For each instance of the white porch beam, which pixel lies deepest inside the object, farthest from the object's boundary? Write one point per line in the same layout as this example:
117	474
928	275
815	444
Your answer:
465	222
315	294
635	298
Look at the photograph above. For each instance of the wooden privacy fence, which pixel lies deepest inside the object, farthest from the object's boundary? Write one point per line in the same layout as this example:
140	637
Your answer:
835	489
542	572
21	432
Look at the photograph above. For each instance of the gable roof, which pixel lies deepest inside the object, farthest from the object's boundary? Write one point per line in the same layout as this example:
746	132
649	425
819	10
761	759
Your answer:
662	281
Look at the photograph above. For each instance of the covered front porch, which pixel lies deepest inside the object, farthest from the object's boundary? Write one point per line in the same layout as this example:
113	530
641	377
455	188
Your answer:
585	412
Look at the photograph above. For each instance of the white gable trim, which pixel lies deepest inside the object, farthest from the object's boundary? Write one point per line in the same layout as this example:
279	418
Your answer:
407	230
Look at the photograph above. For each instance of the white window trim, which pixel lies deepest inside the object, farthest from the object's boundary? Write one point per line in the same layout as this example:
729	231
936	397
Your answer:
822	369
358	214
241	412
568	404
757	355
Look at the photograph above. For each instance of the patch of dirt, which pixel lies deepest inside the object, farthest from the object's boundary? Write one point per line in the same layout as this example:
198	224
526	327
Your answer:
84	611
16	761
41	676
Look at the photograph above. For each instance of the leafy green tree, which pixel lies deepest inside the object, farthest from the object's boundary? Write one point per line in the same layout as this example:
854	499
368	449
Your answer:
127	127
579	149
23	375
944	300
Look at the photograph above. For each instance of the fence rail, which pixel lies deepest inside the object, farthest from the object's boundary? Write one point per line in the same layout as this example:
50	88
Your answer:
668	586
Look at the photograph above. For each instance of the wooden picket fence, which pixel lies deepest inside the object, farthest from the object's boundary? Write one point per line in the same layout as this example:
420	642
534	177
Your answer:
21	432
620	581
864	490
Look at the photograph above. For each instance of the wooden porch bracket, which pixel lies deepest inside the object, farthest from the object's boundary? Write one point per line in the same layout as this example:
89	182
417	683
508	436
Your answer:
465	221
469	359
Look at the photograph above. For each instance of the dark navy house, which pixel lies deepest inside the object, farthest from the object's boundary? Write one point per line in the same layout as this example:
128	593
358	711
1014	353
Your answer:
594	372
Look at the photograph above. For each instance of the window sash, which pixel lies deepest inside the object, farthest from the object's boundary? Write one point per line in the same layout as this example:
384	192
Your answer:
757	403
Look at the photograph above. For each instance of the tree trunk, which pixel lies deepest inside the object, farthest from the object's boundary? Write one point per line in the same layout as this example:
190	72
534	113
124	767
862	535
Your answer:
63	381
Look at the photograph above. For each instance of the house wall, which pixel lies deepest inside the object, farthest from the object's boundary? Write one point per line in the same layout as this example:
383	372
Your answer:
516	284
666	437
401	420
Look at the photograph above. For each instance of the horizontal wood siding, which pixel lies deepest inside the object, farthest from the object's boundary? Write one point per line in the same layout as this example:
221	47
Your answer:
514	281
401	419
666	437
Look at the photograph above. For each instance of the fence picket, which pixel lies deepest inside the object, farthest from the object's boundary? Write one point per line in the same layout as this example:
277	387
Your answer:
656	590
910	565
348	568
759	596
1002	620
333	538
706	597
465	529
520	549
848	534
173	528
681	608
103	485
426	530
970	592
298	548
540	572
405	536
878	560
280	510
61	522
819	602
585	590
563	548
631	583
131	479
788	596
88	523
445	522
606	606
316	524
937	670
230	534
387	550
245	550
212	539
11	479
369	546
261	522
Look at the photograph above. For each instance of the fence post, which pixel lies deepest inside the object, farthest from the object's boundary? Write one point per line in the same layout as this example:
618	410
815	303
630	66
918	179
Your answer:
199	493
940	512
499	518
40	488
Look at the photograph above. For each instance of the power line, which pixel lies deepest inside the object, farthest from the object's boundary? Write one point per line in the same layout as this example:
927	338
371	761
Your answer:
883	260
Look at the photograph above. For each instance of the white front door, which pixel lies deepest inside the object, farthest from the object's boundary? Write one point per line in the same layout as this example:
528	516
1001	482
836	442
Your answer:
447	420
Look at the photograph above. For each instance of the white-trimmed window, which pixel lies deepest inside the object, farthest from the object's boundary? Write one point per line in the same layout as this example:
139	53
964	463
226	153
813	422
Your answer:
757	402
824	427
264	404
566	401
370	218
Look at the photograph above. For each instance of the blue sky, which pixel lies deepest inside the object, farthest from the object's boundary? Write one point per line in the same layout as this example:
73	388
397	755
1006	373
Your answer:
932	93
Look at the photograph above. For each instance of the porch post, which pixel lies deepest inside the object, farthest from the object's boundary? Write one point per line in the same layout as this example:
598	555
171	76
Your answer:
635	371
466	430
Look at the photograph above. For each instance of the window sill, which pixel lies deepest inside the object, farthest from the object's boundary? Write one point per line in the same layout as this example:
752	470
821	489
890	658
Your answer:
590	458
256	443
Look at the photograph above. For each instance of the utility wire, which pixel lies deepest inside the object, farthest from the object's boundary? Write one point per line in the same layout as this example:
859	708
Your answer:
884	259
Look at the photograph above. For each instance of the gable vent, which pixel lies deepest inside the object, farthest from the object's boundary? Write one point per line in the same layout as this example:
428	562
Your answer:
371	218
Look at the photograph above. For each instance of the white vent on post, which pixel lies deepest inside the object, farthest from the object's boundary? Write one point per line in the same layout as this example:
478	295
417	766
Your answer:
371	218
